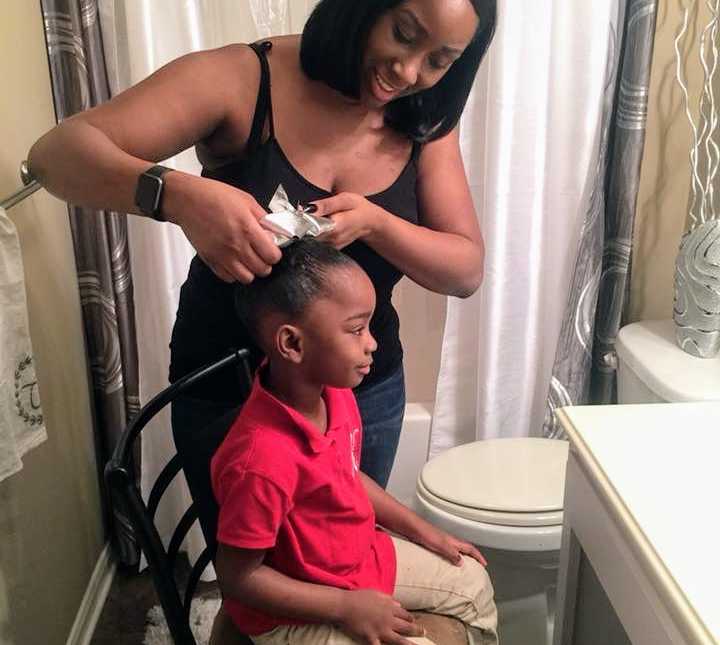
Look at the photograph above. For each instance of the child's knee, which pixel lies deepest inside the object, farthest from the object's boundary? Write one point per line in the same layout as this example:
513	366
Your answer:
478	585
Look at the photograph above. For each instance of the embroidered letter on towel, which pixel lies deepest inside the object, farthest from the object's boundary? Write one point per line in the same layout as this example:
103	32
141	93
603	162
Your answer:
21	419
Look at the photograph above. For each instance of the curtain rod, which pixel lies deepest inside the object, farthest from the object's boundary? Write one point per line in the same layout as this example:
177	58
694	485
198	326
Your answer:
30	186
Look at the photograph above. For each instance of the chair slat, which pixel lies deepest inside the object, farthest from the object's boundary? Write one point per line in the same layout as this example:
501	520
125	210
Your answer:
200	565
164	479
181	531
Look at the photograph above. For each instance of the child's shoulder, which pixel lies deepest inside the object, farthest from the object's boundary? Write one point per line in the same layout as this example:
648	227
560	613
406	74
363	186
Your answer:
262	450
261	437
345	398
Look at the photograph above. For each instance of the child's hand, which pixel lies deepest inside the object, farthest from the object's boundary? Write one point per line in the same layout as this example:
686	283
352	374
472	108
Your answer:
448	546
376	618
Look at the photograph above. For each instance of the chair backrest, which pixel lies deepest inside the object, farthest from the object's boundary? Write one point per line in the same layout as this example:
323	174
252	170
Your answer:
193	456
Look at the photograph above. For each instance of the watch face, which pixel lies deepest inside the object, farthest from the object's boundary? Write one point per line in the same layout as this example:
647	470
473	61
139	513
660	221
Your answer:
149	190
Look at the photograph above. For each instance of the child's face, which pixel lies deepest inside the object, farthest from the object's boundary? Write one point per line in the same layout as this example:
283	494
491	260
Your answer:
337	343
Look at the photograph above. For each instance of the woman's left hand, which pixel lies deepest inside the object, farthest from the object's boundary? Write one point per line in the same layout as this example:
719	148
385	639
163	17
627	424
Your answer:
448	546
354	216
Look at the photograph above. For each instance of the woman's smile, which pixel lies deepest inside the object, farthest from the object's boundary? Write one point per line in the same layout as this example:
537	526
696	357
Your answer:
383	90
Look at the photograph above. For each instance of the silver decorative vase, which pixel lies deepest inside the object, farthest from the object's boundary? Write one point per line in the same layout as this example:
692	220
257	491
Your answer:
697	291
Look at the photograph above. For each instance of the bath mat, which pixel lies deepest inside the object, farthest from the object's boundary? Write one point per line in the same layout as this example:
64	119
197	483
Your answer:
202	614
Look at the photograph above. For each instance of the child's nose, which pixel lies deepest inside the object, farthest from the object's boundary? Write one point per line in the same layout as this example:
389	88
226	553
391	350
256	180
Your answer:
371	345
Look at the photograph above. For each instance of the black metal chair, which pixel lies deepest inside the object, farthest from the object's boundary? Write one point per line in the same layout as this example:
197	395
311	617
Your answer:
193	457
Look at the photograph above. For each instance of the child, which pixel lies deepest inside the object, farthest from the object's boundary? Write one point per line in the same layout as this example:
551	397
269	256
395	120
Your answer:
300	559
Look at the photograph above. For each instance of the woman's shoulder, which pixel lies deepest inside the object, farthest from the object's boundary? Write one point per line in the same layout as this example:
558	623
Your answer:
239	66
237	63
284	58
237	73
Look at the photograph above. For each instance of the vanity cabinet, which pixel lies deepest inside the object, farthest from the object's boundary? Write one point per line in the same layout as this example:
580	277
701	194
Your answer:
640	560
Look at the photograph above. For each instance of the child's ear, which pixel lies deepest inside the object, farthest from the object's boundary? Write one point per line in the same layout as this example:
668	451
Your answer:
289	343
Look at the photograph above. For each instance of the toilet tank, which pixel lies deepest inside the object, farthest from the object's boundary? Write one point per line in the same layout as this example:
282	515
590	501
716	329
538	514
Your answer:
653	369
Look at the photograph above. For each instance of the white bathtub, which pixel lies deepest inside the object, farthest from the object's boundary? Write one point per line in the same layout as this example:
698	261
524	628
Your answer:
412	452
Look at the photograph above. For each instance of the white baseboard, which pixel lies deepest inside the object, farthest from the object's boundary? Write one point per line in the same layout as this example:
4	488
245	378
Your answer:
93	600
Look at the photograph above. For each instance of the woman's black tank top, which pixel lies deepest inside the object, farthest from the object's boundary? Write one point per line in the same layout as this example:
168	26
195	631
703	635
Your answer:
206	327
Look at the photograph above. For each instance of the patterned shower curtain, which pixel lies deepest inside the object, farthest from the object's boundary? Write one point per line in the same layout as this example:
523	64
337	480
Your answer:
585	362
79	81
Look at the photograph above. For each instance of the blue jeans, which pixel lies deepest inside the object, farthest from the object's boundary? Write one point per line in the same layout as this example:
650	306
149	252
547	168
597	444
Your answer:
382	407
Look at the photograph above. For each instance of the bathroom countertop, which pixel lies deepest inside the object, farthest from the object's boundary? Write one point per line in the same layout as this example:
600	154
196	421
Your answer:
656	469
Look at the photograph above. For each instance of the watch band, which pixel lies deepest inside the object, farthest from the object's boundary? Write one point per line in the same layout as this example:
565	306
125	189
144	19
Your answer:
149	192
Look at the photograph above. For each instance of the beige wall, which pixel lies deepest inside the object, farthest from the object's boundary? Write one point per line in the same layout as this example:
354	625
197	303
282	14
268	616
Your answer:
422	319
50	528
665	177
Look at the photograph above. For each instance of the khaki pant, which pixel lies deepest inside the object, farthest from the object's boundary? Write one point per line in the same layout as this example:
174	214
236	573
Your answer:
425	581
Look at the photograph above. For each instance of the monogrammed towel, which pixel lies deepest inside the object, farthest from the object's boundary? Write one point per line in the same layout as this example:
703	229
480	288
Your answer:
21	419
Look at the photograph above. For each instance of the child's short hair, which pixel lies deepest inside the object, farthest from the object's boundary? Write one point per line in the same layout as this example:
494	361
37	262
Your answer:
295	281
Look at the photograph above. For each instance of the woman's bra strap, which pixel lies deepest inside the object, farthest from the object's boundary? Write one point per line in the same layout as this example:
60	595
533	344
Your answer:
263	107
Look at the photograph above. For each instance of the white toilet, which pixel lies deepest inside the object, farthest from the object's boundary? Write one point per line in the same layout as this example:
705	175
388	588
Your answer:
506	495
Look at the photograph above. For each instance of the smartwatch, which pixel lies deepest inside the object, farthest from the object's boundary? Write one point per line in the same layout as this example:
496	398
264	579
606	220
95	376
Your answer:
148	194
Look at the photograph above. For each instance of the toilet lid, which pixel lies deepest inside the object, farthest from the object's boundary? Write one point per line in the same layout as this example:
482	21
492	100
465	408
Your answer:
502	477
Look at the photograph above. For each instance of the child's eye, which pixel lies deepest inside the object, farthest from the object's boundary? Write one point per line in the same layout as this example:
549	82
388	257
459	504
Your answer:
358	330
401	36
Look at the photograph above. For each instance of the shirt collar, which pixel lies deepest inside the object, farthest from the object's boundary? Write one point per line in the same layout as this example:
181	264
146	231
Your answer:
265	409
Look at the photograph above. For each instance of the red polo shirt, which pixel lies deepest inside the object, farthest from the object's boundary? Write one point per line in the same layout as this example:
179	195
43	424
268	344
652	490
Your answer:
285	487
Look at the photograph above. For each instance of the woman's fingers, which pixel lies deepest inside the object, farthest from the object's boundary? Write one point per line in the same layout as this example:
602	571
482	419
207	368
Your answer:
263	246
221	273
336	203
253	263
338	236
255	255
258	211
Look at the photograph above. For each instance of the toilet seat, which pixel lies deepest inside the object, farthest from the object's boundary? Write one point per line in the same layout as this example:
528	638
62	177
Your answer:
501	489
496	536
551	518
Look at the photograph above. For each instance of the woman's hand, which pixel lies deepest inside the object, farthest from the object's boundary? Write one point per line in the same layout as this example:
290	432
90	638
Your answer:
221	222
354	217
448	546
374	618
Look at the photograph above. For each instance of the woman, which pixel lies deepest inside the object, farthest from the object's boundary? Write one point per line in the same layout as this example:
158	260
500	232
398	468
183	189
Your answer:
360	121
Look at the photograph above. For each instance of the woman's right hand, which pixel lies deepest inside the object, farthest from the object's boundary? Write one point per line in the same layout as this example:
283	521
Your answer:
222	224
376	618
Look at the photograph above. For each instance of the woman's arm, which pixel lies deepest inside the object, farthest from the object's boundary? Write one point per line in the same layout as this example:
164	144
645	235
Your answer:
370	615
398	518
445	254
94	158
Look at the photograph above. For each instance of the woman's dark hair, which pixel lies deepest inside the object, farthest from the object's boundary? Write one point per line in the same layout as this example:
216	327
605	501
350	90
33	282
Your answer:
332	47
296	280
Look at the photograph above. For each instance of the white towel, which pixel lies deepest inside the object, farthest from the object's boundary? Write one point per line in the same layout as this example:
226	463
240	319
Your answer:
22	426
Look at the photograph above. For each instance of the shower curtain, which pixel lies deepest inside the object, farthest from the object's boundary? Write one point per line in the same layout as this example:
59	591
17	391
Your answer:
585	360
535	140
79	81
